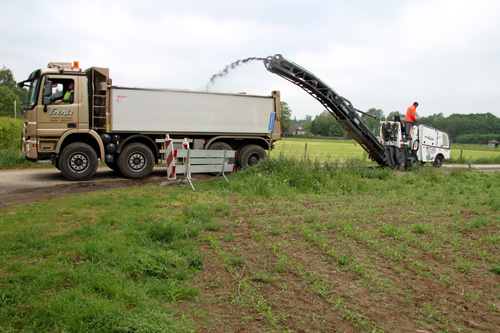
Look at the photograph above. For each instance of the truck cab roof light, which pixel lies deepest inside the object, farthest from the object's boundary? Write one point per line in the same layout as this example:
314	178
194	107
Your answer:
76	64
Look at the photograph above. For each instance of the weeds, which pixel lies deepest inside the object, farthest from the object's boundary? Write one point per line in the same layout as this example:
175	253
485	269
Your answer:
495	268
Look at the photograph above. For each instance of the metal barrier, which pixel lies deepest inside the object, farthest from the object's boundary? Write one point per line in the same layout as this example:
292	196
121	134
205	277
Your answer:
205	161
187	161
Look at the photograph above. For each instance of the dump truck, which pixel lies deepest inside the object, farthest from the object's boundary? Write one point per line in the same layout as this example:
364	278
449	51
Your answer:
397	146
77	118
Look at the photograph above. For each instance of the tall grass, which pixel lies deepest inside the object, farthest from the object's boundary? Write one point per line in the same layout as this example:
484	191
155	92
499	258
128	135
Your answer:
282	173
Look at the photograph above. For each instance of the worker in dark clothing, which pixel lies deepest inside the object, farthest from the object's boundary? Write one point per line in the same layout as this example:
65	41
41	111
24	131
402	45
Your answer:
411	118
68	95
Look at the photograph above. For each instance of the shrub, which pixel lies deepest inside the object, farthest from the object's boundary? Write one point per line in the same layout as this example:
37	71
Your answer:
12	129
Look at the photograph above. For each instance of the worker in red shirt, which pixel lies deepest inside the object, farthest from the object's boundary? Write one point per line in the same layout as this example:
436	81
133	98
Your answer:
411	118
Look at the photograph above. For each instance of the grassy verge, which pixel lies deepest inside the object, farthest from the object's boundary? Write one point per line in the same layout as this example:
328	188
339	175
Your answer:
289	245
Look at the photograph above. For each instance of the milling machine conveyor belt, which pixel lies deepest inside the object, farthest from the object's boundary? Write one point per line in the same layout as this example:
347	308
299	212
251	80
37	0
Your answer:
339	107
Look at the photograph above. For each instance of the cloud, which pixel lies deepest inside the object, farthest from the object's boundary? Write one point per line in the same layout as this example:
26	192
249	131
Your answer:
382	54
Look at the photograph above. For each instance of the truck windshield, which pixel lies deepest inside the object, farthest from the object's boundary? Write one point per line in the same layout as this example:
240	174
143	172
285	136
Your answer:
32	86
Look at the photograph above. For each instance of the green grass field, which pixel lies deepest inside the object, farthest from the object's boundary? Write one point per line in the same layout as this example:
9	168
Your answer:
323	150
331	150
287	246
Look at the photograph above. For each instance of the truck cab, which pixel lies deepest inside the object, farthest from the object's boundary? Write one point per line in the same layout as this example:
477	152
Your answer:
50	124
46	121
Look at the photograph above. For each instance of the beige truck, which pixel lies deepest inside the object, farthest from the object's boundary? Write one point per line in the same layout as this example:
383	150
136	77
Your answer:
77	118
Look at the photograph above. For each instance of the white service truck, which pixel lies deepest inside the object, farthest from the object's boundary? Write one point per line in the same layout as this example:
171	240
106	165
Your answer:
423	143
121	125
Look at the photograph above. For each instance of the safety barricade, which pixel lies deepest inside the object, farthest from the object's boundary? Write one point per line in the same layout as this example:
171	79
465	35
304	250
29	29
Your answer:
189	161
205	161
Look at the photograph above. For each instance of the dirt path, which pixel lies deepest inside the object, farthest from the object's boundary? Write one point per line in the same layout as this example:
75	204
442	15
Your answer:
32	185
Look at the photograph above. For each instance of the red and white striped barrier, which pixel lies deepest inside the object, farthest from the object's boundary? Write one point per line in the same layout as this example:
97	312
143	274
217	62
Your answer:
168	156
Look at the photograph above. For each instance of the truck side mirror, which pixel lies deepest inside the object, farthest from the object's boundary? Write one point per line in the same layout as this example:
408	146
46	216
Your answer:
47	92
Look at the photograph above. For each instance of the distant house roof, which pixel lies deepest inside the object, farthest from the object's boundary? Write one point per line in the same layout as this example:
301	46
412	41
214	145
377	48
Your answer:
493	141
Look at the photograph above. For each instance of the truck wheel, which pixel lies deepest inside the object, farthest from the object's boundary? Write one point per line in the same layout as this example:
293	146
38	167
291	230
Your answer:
251	155
438	161
78	161
135	161
222	146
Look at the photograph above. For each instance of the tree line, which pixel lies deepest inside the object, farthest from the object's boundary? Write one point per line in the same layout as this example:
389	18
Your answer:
9	92
474	128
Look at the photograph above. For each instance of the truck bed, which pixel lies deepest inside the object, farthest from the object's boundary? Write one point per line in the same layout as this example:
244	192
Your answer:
185	111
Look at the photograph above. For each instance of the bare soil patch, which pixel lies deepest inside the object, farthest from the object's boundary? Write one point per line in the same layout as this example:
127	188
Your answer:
306	275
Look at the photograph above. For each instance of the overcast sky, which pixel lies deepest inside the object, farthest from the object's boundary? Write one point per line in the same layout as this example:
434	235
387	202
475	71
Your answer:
385	54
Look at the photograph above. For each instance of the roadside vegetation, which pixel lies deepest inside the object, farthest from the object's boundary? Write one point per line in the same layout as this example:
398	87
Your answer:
289	245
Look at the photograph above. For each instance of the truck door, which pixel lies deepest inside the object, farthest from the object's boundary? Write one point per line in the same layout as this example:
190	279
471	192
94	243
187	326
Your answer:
428	142
59	112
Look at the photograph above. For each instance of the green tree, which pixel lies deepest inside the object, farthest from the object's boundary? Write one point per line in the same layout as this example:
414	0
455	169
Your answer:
393	114
6	78
474	128
431	120
286	117
9	93
7	98
373	123
306	125
325	124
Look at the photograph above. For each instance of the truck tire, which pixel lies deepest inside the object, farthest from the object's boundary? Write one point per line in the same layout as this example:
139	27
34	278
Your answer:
135	161
438	161
251	155
78	161
221	146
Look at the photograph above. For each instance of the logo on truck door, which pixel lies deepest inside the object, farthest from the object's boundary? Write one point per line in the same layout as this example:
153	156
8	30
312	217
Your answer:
56	112
430	150
120	99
